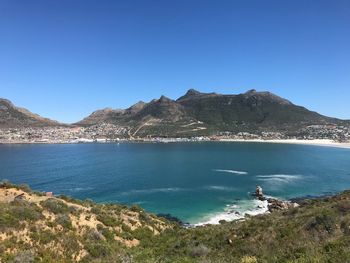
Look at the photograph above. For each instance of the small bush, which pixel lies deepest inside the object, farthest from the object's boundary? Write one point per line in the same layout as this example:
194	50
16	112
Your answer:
249	259
98	250
136	208
108	220
25	188
199	251
43	237
94	235
64	221
55	206
344	206
322	222
26	256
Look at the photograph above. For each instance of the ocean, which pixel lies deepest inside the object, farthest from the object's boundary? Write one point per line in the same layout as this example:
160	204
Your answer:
202	182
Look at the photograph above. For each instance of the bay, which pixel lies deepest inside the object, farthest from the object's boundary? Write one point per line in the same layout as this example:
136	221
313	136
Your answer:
196	182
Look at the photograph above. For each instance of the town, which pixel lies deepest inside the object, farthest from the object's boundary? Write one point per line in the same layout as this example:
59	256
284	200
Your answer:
106	132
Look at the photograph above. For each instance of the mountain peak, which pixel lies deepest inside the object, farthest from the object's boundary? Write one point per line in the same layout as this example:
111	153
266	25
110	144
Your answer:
137	106
164	99
250	92
267	96
15	117
5	104
190	94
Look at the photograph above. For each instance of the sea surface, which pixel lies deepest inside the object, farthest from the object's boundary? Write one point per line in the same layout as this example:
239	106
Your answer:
196	182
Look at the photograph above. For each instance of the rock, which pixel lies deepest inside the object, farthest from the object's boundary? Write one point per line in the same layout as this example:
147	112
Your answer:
275	205
259	193
20	197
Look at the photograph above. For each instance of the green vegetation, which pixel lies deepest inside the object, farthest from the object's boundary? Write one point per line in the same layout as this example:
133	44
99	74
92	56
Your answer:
51	231
318	231
35	228
55	206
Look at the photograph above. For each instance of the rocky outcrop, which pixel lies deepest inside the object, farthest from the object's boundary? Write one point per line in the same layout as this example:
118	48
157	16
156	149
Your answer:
274	204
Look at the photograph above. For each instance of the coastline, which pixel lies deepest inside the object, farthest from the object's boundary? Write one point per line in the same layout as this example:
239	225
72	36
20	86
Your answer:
314	142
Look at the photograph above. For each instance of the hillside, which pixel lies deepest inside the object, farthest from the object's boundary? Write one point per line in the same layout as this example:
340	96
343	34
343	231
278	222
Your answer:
34	227
15	117
198	113
61	229
316	231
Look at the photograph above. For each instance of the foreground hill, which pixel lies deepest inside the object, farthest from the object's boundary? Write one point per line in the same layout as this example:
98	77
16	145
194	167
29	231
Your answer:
37	228
198	113
15	117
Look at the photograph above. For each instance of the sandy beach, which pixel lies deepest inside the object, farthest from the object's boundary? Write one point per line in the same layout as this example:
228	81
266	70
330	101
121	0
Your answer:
318	142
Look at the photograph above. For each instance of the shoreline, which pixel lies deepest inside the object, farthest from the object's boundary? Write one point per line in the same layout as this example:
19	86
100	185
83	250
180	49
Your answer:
315	142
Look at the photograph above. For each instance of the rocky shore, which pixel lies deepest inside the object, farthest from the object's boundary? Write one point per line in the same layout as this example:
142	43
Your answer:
274	204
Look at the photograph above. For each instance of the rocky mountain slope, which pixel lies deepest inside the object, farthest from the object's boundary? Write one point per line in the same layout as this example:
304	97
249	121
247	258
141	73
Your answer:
15	117
198	113
39	228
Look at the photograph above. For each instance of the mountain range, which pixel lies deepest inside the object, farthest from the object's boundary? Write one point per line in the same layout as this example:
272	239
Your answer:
15	117
194	113
197	113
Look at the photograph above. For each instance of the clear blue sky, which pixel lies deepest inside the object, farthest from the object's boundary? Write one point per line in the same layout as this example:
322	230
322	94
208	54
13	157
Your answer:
65	59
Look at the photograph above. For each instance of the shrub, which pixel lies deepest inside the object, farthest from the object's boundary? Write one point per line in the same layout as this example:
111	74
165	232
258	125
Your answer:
31	212
108	220
11	214
126	228
107	233
136	208
7	219
199	251
344	206
144	234
25	188
55	206
43	237
323	221
24	257
249	259
64	221
94	235
98	250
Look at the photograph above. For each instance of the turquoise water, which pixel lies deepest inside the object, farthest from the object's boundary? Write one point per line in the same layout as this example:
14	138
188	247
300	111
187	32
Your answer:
195	182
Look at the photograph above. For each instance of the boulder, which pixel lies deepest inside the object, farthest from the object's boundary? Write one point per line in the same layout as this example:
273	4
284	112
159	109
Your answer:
275	205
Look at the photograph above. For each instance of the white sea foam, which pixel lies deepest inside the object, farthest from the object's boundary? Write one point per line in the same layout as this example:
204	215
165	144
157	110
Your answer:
279	178
230	171
153	190
236	212
282	176
219	188
79	189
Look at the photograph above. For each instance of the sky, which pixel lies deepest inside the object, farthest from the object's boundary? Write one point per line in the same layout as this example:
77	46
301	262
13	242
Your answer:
64	59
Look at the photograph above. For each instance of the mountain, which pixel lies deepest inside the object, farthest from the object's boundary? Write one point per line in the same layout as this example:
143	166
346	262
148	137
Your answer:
197	113
15	117
100	116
